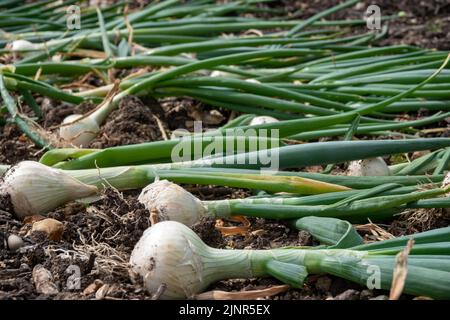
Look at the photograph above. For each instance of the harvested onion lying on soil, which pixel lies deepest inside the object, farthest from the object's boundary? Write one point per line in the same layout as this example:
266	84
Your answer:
171	256
34	188
168	201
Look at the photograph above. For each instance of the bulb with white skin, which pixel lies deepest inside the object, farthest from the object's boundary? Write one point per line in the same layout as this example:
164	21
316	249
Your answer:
174	261
218	74
169	201
369	167
446	184
262	120
79	130
446	181
79	133
25	47
34	188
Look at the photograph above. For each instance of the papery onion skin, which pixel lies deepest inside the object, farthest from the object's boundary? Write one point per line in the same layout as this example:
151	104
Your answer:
34	188
171	255
79	133
176	264
262	120
171	202
369	167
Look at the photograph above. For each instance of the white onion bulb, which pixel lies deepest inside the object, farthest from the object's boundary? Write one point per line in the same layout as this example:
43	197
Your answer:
35	188
253	81
171	255
446	181
23	45
179	133
171	202
369	167
262	120
446	184
218	74
80	133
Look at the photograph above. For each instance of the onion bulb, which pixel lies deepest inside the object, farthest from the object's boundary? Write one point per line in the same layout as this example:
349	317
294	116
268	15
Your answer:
171	255
262	120
23	45
34	188
253	81
446	184
169	201
369	167
179	133
79	133
446	181
218	74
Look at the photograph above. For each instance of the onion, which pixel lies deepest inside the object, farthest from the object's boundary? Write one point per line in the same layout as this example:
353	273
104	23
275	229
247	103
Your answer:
179	133
446	184
218	74
253	81
176	264
79	133
172	255
369	167
23	45
446	181
169	201
36	189
262	120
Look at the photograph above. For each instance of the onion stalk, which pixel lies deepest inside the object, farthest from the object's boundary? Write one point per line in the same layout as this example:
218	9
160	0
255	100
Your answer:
85	129
287	156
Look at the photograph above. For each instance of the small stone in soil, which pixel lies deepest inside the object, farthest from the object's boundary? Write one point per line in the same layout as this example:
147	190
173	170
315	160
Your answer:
366	294
382	297
349	294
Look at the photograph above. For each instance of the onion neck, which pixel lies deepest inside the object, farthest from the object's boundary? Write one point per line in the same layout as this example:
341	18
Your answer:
121	178
222	264
97	92
100	115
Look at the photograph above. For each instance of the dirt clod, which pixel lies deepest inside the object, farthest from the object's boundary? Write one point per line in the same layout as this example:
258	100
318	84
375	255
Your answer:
133	122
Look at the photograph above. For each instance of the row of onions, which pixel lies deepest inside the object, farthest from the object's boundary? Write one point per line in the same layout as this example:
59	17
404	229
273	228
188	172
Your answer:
293	82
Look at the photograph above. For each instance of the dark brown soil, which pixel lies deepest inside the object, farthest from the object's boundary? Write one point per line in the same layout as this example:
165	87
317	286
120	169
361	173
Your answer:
54	111
15	146
424	23
133	122
97	239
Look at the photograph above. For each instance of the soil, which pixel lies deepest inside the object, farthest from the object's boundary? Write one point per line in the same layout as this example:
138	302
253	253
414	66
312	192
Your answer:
15	146
133	122
98	238
424	23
